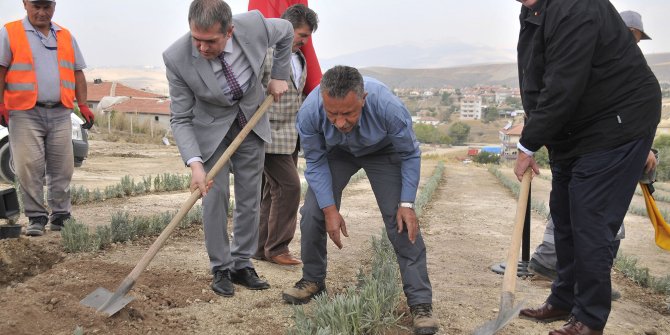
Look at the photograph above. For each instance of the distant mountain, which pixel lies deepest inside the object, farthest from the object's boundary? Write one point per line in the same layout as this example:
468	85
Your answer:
407	56
485	74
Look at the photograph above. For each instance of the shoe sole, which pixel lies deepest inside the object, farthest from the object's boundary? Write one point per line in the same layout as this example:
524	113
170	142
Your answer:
227	295
267	286
426	331
546	273
34	232
548	320
298	301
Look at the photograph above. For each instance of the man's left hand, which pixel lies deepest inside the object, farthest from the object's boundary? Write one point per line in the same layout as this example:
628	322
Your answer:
523	162
406	218
88	116
277	88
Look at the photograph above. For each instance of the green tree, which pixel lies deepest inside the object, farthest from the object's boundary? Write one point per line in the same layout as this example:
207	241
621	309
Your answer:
485	157
446	98
459	132
490	114
426	133
542	157
513	102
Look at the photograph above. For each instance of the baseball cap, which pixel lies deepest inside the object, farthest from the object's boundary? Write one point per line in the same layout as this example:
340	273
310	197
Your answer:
634	20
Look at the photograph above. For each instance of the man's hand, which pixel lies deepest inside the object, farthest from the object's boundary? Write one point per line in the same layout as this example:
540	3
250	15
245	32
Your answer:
651	162
406	218
277	88
198	178
523	161
334	224
88	116
4	115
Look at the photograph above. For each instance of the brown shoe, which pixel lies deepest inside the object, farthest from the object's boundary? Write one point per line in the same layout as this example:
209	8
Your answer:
303	292
544	313
574	327
285	259
422	319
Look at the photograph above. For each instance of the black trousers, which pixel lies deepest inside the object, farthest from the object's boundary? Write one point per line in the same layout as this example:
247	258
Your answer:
589	198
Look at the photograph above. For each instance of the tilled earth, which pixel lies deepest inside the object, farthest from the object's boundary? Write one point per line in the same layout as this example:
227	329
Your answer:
466	227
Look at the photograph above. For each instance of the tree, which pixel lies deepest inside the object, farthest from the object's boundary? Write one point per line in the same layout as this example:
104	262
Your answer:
485	157
446	98
459	132
542	157
426	133
490	114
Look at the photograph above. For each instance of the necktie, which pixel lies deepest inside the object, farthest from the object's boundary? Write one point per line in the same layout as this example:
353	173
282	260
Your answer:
234	88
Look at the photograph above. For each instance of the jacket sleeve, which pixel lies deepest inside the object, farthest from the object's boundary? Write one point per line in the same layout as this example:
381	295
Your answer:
570	43
280	34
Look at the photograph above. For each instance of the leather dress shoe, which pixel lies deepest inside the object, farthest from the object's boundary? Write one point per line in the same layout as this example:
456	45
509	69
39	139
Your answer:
248	278
544	313
285	259
222	284
574	327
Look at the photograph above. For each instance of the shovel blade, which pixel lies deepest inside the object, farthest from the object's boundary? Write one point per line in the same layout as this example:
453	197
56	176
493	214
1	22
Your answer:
100	300
504	317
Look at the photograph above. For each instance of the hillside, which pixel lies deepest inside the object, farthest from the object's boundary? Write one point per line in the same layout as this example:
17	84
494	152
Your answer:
485	74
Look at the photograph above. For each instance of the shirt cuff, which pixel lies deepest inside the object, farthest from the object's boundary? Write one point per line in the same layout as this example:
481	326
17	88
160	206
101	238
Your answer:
522	148
194	159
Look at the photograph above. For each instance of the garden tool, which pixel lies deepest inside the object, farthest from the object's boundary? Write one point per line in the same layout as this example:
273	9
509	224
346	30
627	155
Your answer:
661	227
109	303
507	310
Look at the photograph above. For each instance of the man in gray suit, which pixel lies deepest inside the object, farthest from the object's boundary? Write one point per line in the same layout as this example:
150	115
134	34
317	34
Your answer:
214	72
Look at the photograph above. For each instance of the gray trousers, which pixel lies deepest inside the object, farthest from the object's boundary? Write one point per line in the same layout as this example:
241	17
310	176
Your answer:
247	165
383	171
41	144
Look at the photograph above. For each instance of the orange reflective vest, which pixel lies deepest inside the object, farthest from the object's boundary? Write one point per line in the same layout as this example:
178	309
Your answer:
21	80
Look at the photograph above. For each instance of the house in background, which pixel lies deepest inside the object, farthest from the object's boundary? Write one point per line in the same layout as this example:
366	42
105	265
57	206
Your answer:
509	137
142	106
471	107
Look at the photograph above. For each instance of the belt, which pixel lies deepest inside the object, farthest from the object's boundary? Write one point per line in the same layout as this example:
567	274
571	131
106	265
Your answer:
49	104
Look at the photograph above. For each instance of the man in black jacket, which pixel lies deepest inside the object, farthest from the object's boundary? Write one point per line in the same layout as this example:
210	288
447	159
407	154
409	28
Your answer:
591	99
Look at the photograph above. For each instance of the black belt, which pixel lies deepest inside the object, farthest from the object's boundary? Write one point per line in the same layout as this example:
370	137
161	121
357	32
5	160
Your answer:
49	104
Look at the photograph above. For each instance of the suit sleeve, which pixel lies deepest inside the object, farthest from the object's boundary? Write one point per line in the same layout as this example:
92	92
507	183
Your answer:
568	54
280	33
181	113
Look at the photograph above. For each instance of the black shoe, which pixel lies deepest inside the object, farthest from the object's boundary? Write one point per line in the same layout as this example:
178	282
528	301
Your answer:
36	225
535	267
221	283
57	221
248	278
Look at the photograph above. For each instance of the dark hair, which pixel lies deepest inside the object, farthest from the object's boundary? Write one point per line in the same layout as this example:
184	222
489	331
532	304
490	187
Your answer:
340	80
299	15
206	13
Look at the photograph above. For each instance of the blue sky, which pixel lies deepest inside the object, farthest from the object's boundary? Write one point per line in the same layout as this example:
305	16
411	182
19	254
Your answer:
135	32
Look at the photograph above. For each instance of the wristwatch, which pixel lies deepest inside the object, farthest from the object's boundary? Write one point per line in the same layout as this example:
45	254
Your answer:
406	204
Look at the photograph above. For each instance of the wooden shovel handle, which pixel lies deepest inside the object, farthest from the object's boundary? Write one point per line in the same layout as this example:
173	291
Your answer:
509	279
195	195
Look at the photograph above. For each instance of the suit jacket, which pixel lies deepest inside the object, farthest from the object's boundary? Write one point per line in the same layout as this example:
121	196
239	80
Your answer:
282	114
200	114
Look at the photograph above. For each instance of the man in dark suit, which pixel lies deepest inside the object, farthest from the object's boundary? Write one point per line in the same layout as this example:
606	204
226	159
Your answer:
592	100
214	72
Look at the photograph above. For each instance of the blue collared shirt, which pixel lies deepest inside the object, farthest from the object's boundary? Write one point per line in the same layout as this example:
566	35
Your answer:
384	121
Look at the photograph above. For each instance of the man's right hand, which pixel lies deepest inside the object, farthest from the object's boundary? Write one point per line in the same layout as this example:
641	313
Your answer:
4	115
523	162
334	224
198	178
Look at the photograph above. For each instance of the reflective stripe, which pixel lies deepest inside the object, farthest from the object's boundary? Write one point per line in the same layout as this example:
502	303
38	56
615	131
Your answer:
21	67
67	84
19	87
67	65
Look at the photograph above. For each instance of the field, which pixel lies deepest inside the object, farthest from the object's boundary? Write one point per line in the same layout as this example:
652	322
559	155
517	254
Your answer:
466	228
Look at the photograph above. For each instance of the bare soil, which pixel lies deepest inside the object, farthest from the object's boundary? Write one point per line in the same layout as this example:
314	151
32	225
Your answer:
466	227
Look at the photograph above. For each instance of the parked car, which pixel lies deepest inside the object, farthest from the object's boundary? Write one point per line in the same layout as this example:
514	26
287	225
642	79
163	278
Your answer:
79	146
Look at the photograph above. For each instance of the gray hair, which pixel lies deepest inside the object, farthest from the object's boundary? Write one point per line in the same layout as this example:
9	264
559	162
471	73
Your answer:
206	13
300	15
340	80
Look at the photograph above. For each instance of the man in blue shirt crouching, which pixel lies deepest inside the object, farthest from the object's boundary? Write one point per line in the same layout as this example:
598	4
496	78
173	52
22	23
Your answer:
348	123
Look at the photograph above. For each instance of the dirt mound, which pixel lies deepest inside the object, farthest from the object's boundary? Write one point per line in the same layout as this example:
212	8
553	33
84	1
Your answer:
20	258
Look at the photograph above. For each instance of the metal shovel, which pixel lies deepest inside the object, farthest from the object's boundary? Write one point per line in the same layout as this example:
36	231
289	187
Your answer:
507	309
109	303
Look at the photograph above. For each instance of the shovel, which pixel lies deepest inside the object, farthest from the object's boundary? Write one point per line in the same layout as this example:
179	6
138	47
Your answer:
109	303
507	309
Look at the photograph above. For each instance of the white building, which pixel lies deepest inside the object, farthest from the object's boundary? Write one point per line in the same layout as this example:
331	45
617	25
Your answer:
471	107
